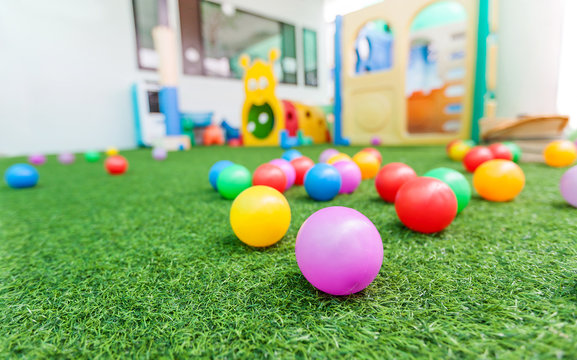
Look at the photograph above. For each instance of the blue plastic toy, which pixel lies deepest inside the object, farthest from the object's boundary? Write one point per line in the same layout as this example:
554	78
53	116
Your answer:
291	154
215	171
229	131
323	182
20	176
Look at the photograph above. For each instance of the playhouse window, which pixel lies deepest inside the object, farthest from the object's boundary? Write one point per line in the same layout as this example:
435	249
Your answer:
310	57
374	48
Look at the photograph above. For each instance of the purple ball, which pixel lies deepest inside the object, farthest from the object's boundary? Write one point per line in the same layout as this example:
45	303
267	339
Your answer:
37	159
350	175
288	170
159	154
66	158
568	186
376	141
339	250
327	154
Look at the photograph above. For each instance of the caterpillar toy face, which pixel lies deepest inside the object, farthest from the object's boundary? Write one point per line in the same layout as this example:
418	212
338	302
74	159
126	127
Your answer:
262	116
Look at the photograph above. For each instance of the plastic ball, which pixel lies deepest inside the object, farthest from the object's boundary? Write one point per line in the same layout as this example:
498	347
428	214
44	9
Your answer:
457	182
568	186
233	180
375	153
426	205
327	154
339	250
322	182
458	150
20	176
111	151
368	163
560	153
390	179
291	154
37	159
475	157
376	141
260	216
215	170
116	165
451	143
301	166
499	180
235	142
501	151
338	157
515	150
66	158
159	153
92	156
350	176
288	170
269	175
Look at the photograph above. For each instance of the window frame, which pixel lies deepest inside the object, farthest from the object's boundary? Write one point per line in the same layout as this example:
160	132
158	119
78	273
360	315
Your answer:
304	48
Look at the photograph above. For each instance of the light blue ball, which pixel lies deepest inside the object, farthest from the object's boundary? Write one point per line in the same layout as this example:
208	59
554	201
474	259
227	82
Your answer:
215	171
20	176
291	154
323	182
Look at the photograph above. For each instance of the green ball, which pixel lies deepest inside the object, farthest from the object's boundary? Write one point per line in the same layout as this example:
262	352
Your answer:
233	180
515	150
471	143
92	156
457	182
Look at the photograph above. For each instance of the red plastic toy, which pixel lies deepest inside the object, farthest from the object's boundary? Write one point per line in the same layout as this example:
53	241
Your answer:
213	135
476	156
116	165
375	152
501	151
426	205
270	175
301	165
390	178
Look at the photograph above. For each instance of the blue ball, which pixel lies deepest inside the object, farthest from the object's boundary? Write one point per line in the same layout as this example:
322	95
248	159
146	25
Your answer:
291	154
21	176
322	182
215	171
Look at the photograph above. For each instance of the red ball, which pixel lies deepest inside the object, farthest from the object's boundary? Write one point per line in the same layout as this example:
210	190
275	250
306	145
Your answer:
374	152
270	175
476	156
501	151
301	165
390	178
116	165
426	205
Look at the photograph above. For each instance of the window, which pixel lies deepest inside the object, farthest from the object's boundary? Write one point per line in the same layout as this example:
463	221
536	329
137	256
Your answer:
374	48
145	18
310	57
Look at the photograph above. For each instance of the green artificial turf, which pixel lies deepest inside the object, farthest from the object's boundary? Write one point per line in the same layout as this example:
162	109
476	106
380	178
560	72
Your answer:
145	265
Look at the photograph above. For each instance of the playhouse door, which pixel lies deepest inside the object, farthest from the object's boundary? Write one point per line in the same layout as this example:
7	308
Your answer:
376	45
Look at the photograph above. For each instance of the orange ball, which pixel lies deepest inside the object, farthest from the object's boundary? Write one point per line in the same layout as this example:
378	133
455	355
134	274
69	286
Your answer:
499	180
560	153
458	150
338	157
368	163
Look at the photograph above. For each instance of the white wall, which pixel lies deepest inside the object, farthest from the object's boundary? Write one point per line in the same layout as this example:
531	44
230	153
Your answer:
66	67
567	93
528	60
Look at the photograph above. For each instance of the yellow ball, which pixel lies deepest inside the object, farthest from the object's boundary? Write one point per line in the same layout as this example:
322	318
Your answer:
560	153
111	151
499	180
458	150
260	216
368	163
338	157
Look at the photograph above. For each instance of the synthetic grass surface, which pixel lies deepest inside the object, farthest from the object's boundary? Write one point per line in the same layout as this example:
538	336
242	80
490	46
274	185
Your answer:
145	265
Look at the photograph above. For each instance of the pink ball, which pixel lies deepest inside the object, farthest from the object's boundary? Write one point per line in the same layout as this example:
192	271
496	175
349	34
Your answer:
159	153
66	158
568	186
327	154
350	175
37	159
288	170
339	250
376	141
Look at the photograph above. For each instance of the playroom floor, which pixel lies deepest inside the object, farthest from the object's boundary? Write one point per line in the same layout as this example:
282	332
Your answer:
146	265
